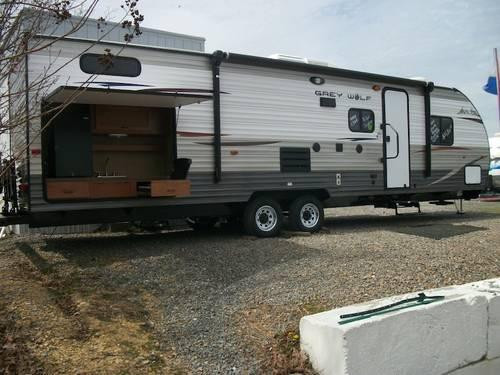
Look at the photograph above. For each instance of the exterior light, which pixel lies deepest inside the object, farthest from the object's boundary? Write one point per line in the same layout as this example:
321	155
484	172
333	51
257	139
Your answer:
317	80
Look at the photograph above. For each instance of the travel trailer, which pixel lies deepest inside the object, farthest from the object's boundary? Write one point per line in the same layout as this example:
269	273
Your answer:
161	133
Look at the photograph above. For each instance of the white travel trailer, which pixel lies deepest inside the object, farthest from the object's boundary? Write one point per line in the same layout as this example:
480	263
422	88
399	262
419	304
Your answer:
163	133
495	162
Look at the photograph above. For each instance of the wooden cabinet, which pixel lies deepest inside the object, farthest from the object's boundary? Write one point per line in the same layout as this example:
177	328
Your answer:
126	120
170	188
67	189
112	189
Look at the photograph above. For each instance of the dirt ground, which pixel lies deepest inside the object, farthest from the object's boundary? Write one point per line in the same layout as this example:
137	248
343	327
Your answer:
181	302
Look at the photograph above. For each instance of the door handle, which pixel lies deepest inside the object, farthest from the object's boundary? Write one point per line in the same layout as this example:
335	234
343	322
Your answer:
397	142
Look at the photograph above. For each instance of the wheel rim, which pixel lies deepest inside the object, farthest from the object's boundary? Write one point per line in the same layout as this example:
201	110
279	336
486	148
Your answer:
309	215
266	218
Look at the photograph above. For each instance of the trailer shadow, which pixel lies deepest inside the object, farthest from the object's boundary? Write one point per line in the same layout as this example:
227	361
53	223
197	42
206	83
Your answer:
438	231
222	256
225	256
435	225
191	246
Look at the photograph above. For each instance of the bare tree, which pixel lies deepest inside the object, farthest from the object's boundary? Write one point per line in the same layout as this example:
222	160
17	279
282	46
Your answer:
21	24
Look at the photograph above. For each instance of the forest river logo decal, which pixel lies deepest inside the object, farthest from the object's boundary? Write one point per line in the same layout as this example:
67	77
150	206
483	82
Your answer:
335	94
470	111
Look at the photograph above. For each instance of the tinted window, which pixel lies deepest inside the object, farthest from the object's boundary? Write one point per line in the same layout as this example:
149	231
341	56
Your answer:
361	120
435	130
441	131
92	63
446	131
354	120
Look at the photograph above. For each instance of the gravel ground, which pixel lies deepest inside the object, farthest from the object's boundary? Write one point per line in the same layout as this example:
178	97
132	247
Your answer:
220	302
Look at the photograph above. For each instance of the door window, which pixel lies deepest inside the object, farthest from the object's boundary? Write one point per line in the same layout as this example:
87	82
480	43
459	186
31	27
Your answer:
361	120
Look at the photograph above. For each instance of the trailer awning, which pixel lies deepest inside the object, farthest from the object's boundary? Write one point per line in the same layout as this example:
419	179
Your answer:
150	97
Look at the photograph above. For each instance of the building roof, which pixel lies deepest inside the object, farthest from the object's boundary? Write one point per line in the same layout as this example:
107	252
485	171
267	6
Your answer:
114	32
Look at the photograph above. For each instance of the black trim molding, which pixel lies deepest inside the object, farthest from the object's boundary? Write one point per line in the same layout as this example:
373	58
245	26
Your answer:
318	69
427	113
216	60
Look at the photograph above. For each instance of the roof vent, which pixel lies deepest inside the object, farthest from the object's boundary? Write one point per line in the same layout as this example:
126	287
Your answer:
298	59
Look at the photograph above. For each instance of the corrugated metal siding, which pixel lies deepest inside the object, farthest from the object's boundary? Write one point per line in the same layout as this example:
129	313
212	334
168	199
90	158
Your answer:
453	104
113	32
281	106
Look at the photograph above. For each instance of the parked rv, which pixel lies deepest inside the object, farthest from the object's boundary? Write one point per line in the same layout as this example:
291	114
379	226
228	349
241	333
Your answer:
163	133
495	163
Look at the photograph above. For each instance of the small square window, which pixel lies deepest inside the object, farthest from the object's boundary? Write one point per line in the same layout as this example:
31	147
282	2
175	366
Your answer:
361	120
441	131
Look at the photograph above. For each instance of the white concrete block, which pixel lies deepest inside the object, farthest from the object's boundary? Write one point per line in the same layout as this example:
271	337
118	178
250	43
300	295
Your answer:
486	367
429	339
494	328
491	288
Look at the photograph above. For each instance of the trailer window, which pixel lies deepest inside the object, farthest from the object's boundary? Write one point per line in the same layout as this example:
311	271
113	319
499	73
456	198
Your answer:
93	63
361	120
441	131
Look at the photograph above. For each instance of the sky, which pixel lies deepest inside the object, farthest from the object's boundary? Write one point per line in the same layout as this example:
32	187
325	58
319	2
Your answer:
449	42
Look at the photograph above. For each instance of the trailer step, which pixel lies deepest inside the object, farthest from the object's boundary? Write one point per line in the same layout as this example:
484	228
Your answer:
406	204
441	203
398	204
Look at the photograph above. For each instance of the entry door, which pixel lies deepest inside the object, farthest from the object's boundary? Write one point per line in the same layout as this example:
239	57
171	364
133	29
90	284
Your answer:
396	138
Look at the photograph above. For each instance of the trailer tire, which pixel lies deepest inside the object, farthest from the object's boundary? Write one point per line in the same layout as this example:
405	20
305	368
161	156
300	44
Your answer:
263	217
306	214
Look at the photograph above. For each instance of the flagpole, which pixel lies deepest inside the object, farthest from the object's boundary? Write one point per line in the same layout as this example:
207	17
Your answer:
497	68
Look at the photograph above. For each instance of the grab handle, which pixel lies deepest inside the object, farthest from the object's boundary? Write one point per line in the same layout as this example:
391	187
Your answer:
397	142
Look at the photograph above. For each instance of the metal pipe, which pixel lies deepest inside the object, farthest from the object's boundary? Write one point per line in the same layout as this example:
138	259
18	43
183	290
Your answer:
427	110
27	111
216	60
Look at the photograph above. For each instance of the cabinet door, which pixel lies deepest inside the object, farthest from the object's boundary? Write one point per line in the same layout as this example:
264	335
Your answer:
126	120
170	188
73	142
112	189
67	190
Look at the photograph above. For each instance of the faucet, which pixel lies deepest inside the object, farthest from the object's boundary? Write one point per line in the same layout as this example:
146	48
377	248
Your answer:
106	166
